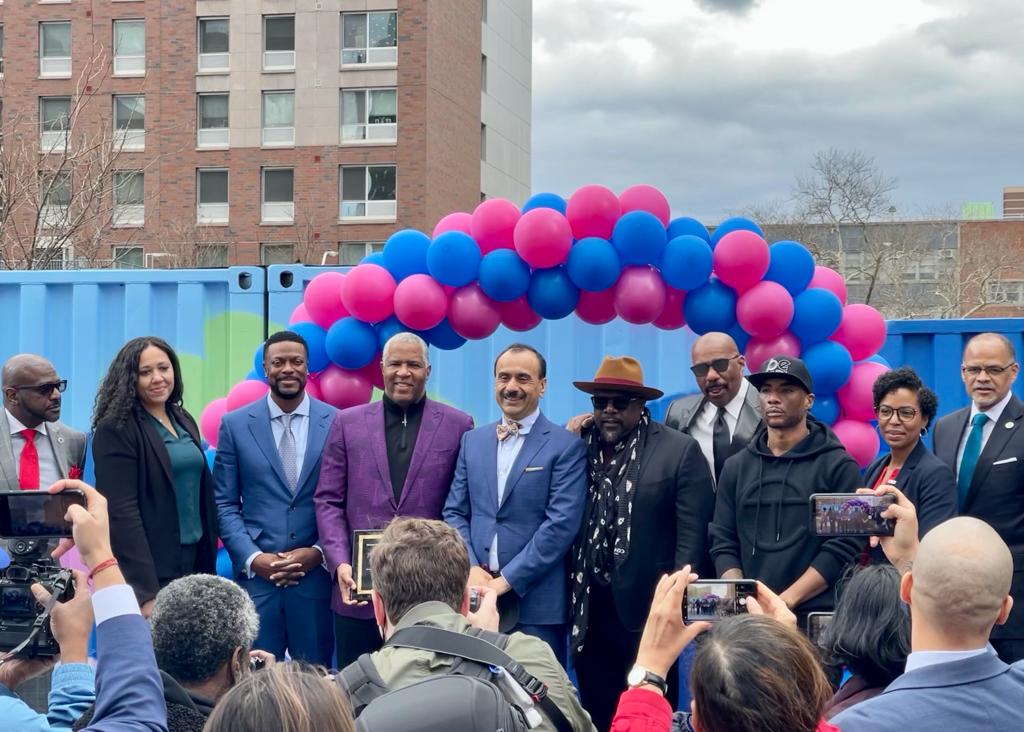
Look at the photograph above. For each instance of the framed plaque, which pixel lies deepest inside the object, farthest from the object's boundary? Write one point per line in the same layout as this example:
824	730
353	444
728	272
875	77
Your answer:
362	542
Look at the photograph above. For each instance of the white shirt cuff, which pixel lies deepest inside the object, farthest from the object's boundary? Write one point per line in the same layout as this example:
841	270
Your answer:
248	564
114	601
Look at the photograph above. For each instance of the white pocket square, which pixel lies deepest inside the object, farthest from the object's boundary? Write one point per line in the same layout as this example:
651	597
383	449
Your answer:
1005	461
541	467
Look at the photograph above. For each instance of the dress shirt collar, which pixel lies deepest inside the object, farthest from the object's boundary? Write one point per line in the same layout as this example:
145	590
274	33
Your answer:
276	411
526	423
17	427
923	659
994	412
736	405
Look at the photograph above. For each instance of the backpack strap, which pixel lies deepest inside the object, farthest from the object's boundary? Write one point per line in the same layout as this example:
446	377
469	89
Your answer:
362	682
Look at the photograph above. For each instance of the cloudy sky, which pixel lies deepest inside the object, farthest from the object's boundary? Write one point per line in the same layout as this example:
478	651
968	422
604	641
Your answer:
721	103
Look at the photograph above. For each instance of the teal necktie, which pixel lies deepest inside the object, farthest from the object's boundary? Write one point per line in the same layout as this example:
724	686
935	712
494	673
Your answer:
972	451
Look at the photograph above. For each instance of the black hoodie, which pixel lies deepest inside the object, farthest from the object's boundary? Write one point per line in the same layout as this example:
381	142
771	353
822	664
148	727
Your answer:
762	512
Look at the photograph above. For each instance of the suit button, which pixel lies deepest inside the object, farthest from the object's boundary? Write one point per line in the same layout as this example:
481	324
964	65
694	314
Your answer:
293	536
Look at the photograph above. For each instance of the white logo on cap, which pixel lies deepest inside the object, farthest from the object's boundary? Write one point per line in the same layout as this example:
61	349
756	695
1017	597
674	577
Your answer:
779	364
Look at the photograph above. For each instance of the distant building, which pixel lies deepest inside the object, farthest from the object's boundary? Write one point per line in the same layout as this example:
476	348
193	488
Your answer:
978	211
1013	202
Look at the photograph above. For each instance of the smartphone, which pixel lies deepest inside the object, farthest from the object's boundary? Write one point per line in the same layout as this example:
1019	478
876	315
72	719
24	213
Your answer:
37	514
711	600
851	514
474	599
816	624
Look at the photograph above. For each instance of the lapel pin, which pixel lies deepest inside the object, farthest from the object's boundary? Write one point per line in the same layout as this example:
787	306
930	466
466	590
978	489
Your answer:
60	440
1008	425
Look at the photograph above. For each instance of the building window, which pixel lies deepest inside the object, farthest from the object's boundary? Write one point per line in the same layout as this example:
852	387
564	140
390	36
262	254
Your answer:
278	42
213	120
54	122
483	142
369	38
130	122
483	74
211	255
129	200
278	195
368	192
54	198
55	49
214	52
132	257
129	47
277	253
1006	292
353	252
923	268
369	115
278	118
212	194
1	50
52	253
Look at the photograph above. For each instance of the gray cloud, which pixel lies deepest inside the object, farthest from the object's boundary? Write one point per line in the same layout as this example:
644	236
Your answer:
737	7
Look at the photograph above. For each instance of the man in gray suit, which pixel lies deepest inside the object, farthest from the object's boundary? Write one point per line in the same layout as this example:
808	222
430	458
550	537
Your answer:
36	449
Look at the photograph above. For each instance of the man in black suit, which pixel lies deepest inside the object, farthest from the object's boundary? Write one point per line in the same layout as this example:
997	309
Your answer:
650	498
984	445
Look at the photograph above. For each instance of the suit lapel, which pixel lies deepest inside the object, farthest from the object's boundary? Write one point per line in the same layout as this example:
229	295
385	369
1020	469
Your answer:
316	437
259	426
156	445
8	468
533	442
1000	437
378	439
950	445
429	424
58	443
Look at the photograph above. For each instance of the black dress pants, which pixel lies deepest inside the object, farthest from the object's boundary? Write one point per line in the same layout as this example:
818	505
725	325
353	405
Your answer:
353	637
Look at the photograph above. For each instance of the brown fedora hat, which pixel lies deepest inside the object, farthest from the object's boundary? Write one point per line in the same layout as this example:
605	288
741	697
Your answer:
620	373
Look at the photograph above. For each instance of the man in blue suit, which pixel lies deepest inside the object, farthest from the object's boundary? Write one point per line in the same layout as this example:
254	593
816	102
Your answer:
266	471
517	500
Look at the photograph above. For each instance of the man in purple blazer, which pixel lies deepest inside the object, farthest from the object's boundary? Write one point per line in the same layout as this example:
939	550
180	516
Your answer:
395	457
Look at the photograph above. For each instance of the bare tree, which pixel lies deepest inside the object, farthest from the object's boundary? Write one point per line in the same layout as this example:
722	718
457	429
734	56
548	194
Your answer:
986	267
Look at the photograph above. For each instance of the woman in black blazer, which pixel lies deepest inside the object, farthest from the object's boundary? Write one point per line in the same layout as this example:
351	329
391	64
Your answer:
905	407
152	470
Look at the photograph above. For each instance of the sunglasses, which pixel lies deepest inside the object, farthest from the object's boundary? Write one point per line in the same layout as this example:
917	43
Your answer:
46	389
721	365
620	402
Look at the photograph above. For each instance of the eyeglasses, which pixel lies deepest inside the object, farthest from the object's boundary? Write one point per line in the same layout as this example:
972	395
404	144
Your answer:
46	389
990	370
904	413
721	365
620	402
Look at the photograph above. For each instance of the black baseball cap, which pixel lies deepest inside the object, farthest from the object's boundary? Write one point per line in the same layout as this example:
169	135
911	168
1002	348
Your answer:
787	367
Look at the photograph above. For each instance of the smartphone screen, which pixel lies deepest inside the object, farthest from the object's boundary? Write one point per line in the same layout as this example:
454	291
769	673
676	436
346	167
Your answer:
36	514
816	624
711	600
851	514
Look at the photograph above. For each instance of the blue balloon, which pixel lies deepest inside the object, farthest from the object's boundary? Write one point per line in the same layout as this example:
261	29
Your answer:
315	338
817	313
453	258
687	226
552	295
211	455
224	568
5	559
255	375
741	337
639	237
443	336
711	307
830	365
257	361
826	408
387	328
545	200
504	275
736	223
687	262
351	343
405	253
877	358
792	266
373	258
593	264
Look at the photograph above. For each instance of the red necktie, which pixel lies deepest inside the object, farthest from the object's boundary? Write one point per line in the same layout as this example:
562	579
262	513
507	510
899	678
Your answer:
28	475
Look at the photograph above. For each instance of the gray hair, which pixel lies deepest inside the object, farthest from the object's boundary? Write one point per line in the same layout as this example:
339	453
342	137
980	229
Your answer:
406	337
198	622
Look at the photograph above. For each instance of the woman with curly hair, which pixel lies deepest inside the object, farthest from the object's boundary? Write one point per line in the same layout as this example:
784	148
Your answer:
151	468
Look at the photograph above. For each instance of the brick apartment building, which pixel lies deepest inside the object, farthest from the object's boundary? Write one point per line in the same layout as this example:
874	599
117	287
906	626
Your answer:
253	131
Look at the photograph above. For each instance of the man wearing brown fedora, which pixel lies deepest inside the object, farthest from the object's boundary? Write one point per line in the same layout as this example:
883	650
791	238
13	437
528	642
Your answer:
650	497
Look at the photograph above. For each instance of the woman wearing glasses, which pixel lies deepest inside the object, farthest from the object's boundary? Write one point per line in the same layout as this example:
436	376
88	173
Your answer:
151	468
905	407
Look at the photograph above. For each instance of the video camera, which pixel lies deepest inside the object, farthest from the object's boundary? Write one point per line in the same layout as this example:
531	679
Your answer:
24	622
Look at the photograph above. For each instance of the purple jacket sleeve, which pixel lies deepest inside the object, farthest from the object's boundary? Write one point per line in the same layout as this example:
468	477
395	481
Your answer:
330	498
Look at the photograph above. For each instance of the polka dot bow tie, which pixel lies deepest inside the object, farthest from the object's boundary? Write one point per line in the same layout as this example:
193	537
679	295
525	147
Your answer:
507	429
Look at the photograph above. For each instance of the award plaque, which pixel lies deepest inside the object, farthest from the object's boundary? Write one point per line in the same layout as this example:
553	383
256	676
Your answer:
362	542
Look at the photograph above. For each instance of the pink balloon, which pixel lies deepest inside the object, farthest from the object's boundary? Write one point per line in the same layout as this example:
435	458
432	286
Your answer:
301	315
741	259
830	280
313	387
372	372
765	310
323	299
646	198
596	308
472	314
518	315
543	238
855	396
368	291
209	420
493	224
420	302
246	392
342	388
859	439
592	211
672	316
760	350
639	294
862	331
458	221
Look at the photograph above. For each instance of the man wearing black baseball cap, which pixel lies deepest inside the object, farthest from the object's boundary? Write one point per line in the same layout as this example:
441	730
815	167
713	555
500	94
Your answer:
761	529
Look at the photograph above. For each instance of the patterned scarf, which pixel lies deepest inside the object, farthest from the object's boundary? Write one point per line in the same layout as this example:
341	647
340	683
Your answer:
604	543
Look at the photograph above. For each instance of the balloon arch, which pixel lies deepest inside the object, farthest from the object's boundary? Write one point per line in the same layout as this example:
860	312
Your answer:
601	256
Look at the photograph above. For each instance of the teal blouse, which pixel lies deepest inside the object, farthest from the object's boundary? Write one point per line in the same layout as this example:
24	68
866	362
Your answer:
187	465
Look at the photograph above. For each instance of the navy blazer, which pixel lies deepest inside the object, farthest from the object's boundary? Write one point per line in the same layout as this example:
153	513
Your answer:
129	690
977	694
539	516
926	481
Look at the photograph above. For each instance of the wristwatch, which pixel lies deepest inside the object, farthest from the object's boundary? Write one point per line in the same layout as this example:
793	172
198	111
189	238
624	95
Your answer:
639	675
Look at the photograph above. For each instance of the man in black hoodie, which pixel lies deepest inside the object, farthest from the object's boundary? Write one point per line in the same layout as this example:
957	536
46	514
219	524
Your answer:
761	529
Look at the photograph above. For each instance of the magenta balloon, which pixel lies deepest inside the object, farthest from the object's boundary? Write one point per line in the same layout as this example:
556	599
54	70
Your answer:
855	396
543	238
596	308
322	299
246	392
301	315
342	388
472	314
830	280
420	302
458	221
672	316
368	292
592	211
760	350
861	331
313	387
493	224
859	439
741	259
209	420
765	310
372	372
518	315
646	198
639	294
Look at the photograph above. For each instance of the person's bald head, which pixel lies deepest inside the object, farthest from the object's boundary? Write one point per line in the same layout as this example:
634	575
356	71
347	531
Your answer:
25	378
22	366
720	385
961	579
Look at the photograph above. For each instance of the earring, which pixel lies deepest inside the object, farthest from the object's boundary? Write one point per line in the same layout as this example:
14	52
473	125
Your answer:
924	431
